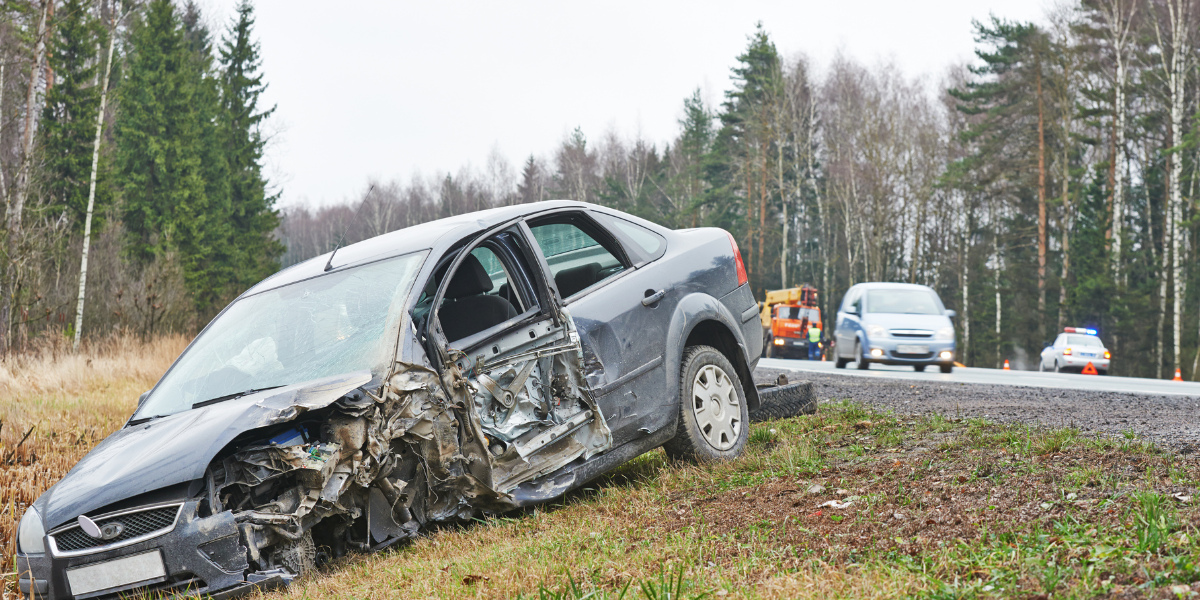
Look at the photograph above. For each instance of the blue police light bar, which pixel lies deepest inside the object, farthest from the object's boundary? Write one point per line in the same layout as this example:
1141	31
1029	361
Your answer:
1079	330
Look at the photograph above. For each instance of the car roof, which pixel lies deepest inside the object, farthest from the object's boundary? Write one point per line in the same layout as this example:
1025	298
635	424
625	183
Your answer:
410	239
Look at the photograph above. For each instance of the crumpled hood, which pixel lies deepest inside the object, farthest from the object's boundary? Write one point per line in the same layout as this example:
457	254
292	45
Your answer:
902	321
178	448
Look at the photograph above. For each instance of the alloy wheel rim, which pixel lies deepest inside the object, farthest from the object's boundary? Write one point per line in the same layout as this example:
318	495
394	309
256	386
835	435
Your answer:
716	407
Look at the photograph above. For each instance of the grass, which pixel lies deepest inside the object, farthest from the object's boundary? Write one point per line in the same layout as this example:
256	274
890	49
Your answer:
938	507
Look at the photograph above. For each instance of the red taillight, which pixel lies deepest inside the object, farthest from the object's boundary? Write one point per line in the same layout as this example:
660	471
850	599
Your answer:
1067	352
737	259
1107	354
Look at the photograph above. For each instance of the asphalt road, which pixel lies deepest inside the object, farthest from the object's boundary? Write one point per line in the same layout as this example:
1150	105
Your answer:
1166	412
1062	381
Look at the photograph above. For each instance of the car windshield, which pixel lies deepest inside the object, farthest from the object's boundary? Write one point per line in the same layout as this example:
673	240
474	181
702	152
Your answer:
1083	340
328	325
909	302
796	312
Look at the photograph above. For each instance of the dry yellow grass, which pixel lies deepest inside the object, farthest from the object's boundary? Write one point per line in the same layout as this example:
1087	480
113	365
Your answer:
66	403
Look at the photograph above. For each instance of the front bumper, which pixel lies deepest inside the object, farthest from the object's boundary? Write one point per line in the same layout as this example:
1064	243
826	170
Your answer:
887	351
789	343
200	556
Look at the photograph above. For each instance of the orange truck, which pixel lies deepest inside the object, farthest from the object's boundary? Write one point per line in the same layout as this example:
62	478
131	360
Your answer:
786	317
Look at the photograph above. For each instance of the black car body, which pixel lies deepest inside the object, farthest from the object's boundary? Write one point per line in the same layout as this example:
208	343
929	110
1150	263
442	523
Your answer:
507	395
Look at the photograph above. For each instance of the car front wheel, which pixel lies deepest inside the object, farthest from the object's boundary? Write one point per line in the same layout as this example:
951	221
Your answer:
862	364
714	420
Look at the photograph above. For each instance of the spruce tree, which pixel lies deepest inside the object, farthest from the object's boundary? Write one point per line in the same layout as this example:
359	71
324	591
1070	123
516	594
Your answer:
252	210
160	153
69	116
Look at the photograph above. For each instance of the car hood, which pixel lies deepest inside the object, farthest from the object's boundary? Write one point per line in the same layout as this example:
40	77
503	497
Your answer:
903	321
178	448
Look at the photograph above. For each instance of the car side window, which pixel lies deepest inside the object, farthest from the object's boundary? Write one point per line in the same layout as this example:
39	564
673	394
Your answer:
856	303
577	260
640	241
483	292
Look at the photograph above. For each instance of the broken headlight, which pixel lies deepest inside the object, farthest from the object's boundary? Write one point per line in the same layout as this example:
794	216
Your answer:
31	535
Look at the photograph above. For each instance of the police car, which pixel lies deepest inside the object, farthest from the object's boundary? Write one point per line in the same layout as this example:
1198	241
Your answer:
1074	348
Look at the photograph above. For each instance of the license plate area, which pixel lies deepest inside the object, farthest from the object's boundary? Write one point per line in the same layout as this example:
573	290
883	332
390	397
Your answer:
117	573
912	349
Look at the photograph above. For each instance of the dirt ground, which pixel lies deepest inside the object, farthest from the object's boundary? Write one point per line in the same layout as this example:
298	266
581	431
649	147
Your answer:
1170	421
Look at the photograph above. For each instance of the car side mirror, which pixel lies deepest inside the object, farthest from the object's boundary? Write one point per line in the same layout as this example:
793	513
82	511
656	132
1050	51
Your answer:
951	314
142	398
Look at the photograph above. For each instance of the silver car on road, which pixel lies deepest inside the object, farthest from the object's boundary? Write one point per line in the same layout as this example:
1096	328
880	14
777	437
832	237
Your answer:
1074	348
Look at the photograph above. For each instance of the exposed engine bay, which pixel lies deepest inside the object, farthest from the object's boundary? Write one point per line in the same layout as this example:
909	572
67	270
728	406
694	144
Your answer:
374	467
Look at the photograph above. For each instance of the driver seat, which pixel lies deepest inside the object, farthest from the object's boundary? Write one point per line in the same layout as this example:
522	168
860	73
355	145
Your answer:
468	308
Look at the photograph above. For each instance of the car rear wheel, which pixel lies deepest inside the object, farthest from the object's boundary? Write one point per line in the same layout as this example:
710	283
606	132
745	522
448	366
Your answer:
714	420
1057	367
862	363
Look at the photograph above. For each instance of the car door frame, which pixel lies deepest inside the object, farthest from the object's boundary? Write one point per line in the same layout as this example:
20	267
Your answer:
436	343
620	382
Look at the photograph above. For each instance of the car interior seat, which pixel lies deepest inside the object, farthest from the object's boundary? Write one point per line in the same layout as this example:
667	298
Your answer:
468	308
570	281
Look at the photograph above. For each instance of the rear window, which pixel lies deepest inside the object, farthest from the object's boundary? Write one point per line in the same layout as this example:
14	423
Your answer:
1084	340
908	302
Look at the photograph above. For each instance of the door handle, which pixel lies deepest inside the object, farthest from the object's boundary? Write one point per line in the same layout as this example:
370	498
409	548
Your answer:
653	297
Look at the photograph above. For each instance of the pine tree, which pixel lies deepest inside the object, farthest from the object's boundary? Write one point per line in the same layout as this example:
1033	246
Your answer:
69	116
252	209
160	154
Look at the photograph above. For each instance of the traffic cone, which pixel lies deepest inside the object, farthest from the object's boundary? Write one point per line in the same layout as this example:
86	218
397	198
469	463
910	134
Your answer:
1178	376
1006	365
1090	369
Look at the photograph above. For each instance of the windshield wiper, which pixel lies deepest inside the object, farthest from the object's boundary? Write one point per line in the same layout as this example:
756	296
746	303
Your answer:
233	395
134	422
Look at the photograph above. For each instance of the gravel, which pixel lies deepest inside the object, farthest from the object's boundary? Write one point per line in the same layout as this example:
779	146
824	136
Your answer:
1170	421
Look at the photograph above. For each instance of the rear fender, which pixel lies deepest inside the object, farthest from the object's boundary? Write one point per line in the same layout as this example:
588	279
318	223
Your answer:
700	309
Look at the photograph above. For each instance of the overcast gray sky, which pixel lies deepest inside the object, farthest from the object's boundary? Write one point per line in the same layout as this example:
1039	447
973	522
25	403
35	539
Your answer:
388	89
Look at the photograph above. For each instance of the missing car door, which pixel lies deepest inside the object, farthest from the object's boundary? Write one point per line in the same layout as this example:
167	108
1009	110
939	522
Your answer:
521	376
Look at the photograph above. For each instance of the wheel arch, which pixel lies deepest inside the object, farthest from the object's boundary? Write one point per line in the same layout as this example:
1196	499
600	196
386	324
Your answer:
700	319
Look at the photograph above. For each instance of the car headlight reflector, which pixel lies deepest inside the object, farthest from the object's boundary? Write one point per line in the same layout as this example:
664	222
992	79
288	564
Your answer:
31	536
778	341
945	333
946	355
876	352
876	331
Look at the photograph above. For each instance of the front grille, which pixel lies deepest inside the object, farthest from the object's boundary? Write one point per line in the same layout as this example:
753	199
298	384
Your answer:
922	355
911	333
136	524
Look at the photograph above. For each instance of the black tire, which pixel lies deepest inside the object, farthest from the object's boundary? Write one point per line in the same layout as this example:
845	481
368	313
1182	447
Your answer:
860	362
770	348
690	442
840	362
919	368
785	401
947	368
1057	368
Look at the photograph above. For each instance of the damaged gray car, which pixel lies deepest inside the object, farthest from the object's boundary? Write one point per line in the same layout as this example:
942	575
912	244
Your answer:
459	368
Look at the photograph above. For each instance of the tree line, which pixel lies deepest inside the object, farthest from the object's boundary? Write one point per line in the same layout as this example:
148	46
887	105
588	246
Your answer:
130	167
1048	182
